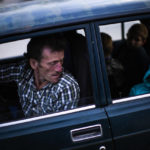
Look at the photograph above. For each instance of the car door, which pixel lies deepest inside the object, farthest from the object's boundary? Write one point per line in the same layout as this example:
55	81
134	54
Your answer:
128	115
130	123
86	127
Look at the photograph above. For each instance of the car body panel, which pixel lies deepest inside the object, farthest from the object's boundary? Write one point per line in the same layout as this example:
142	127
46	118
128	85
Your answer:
31	16
130	124
54	131
129	117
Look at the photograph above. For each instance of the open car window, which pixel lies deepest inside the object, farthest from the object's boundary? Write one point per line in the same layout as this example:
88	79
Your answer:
76	63
13	49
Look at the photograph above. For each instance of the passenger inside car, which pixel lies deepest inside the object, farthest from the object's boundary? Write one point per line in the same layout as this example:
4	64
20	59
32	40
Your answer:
75	63
133	56
114	68
43	87
146	22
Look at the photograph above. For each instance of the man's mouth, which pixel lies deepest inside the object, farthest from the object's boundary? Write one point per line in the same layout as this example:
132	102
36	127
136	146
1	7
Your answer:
56	75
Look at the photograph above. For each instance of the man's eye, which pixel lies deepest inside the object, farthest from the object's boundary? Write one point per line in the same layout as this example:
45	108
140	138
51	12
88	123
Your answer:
61	61
55	62
52	63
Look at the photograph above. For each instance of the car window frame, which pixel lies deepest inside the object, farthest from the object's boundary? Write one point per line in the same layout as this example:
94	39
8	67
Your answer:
93	65
100	48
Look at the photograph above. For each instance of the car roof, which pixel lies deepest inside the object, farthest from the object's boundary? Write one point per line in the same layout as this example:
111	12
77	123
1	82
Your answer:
35	15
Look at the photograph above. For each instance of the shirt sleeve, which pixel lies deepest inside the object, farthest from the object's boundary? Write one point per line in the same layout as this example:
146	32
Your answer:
9	72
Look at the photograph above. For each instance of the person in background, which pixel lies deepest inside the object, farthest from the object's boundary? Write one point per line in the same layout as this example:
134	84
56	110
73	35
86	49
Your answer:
133	56
114	68
146	22
43	86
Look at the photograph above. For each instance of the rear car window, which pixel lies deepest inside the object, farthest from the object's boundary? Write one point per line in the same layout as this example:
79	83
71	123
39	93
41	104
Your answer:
127	59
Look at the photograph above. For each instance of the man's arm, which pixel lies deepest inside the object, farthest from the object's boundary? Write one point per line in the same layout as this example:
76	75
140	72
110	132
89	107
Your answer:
9	72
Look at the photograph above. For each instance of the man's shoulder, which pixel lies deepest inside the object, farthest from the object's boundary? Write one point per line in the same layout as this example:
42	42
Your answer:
25	70
68	80
21	63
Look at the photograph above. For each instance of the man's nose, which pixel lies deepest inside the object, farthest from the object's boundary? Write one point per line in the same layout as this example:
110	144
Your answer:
59	67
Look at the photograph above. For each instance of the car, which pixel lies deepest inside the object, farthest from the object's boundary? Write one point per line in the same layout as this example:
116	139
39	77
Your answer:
101	121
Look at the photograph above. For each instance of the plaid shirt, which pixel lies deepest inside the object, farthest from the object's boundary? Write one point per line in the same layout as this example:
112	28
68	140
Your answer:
52	98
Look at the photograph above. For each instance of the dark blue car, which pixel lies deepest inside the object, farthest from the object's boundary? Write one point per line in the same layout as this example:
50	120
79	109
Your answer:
102	120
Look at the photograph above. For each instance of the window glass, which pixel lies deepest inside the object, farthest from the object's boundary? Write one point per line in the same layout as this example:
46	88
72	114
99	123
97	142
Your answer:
13	49
113	29
127	25
127	61
81	31
43	85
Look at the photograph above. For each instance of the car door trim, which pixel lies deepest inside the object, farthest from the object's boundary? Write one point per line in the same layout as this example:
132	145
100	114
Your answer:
47	116
130	98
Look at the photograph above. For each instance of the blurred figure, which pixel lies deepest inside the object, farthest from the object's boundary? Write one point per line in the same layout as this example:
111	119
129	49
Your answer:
133	56
137	35
146	22
114	69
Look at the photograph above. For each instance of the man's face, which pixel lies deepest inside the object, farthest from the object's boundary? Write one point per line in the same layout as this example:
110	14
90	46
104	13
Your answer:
50	67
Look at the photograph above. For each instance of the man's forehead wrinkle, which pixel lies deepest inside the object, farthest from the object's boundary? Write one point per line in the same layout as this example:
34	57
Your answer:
51	56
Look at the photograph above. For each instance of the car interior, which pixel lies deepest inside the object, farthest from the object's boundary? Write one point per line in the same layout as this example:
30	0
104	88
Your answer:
118	40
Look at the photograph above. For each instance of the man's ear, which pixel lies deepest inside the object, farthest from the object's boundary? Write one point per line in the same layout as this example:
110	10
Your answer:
33	63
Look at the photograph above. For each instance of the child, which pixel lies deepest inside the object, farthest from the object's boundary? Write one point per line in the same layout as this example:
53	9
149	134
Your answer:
114	69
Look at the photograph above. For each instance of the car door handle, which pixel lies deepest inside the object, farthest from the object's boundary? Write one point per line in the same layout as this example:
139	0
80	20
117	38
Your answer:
86	133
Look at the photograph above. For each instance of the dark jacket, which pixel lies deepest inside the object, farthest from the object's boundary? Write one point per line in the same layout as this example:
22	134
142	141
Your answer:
116	77
135	62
